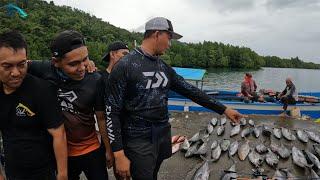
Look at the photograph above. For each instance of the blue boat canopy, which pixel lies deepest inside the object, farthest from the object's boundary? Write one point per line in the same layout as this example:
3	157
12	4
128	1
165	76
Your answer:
190	73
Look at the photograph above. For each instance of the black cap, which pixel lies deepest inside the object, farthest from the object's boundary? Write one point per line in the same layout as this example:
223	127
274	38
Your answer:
65	42
114	47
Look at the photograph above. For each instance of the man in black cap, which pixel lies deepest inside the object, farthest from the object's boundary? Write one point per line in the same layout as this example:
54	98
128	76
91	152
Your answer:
138	97
81	97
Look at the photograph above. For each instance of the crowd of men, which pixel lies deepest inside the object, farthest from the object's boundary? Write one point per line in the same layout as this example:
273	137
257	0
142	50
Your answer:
49	109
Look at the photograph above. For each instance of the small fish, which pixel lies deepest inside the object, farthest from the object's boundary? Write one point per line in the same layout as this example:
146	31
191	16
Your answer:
251	122
288	134
214	144
192	150
246	132
288	174
216	153
298	158
312	158
255	158
214	121
202	172
243	122
266	130
283	152
231	173
244	151
302	136
233	148
223	121
203	134
202	149
185	145
278	175
209	128
314	175
272	159
195	137
313	136
316	148
220	130
225	143
235	130
257	131
261	148
277	133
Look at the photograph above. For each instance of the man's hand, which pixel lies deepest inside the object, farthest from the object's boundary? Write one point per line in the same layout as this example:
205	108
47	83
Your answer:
62	176
122	164
1	177
110	158
233	115
90	66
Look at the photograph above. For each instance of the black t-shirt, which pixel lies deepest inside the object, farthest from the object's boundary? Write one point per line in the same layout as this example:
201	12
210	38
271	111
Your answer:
26	114
78	100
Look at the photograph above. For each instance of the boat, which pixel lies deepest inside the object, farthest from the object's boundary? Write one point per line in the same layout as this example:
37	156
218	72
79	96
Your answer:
308	104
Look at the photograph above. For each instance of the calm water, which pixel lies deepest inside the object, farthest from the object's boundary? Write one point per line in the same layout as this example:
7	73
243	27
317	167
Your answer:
266	78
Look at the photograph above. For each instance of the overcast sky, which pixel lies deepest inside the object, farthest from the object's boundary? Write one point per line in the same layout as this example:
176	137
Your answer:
284	28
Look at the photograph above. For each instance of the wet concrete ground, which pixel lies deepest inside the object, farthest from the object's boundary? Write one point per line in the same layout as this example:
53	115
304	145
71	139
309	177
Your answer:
178	167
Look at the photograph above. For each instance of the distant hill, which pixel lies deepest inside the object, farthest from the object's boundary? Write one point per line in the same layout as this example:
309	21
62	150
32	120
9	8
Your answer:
46	19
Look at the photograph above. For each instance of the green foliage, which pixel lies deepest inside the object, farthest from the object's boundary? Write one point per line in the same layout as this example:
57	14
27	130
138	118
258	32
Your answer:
45	20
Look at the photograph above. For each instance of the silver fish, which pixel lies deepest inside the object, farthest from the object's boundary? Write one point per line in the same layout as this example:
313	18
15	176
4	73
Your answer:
246	132
311	157
209	128
261	148
288	174
272	159
225	143
233	148
192	150
266	130
251	122
243	122
298	158
214	144
278	175
314	175
202	172
185	145
231	173
195	137
283	152
220	130
313	136
257	131
223	121
288	134
216	153
244	151
302	136
316	148
277	133
214	121
255	158
203	134
202	149
235	130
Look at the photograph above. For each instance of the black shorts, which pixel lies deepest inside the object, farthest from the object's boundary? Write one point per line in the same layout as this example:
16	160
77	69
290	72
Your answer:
147	152
93	165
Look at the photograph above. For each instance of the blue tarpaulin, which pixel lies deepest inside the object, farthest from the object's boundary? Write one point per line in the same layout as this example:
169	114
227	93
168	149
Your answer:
190	73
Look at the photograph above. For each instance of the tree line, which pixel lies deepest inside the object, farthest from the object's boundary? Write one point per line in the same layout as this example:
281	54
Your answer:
45	20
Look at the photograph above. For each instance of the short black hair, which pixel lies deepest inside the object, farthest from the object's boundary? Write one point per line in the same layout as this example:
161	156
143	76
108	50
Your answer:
148	33
13	39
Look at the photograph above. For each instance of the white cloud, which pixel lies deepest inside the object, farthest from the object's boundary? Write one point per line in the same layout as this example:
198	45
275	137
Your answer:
285	28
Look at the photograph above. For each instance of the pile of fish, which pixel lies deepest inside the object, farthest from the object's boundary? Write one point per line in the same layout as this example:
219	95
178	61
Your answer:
271	152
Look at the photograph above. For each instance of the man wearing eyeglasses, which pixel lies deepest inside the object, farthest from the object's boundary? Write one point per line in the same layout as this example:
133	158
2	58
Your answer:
138	89
81	98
